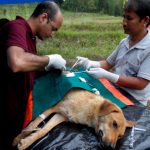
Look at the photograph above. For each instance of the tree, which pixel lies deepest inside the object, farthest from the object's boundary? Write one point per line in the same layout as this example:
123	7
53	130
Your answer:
111	7
58	1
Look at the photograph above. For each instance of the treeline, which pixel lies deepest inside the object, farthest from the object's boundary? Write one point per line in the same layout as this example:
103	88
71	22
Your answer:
110	7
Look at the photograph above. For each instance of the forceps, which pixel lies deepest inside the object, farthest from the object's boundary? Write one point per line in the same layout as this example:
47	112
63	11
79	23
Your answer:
74	64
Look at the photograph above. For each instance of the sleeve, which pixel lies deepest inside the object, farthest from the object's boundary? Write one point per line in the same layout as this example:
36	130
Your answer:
16	35
144	71
112	58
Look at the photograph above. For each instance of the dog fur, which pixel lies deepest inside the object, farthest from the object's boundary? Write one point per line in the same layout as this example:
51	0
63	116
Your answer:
81	107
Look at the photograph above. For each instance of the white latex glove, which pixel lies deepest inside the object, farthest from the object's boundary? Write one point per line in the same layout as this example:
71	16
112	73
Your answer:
56	61
86	63
102	73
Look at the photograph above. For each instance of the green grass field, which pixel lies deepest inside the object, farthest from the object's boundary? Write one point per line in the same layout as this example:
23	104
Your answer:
83	34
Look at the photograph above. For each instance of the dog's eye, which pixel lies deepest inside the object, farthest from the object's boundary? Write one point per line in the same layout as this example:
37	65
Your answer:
115	125
120	136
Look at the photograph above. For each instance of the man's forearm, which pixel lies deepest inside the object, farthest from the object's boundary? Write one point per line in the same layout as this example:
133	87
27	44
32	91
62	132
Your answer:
132	82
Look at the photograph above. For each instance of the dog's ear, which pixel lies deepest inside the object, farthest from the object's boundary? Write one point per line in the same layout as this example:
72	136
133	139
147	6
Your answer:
107	107
130	123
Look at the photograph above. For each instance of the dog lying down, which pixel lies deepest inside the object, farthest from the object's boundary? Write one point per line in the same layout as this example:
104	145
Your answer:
81	107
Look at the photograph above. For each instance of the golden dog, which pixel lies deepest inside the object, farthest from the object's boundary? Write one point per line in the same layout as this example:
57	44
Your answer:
83	107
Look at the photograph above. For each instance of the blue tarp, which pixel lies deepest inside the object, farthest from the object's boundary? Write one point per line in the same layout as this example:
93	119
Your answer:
18	1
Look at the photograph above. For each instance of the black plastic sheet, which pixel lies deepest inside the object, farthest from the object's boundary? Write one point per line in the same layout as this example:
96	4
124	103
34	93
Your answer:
70	136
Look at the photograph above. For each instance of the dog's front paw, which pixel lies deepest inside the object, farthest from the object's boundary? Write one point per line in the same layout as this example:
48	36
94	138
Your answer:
23	144
16	141
23	135
18	138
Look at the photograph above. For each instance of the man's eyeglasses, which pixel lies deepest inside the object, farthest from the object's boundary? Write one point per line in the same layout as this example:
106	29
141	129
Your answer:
53	27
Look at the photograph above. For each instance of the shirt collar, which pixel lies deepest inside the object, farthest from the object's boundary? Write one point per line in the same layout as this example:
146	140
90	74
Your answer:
143	44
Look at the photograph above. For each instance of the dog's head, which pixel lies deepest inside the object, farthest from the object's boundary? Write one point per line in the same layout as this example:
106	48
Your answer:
111	124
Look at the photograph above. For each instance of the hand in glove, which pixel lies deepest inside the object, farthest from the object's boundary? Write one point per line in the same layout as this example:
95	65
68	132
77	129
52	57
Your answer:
56	61
102	73
86	63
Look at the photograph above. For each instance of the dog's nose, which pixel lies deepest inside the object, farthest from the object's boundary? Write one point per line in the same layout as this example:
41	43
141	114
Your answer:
106	145
110	146
103	143
100	133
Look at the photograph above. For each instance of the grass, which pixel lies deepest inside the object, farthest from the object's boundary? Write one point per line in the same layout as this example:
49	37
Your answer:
83	34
